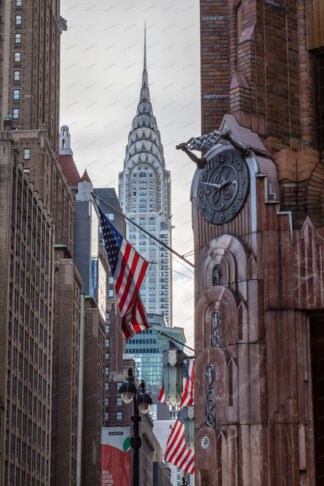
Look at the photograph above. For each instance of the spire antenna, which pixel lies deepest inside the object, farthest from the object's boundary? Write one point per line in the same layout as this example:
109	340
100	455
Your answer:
145	44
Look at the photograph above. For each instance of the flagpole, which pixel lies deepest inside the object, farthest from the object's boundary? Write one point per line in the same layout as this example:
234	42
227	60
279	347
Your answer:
178	342
144	230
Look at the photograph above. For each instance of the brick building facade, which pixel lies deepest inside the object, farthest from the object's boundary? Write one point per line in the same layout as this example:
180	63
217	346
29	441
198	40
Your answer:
26	333
93	392
259	306
66	349
30	70
29	102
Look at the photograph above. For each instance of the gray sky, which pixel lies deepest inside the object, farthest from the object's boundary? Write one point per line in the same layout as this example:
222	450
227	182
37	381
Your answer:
101	70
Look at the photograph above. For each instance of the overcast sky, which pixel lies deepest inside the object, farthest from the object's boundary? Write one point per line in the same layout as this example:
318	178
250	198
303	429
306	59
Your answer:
101	70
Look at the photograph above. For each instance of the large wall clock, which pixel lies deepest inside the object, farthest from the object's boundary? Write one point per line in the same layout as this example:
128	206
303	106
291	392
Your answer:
222	187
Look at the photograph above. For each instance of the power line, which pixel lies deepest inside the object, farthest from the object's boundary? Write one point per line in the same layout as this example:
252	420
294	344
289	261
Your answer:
144	230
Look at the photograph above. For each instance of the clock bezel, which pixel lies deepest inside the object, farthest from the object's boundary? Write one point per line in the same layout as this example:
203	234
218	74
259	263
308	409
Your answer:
229	214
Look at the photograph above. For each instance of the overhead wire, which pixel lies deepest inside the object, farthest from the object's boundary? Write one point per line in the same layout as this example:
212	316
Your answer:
161	243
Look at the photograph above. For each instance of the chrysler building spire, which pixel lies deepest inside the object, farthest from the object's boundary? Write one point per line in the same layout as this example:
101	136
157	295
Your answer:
144	194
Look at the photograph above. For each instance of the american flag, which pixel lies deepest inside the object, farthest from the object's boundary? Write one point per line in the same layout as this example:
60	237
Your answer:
162	396
188	384
128	270
177	452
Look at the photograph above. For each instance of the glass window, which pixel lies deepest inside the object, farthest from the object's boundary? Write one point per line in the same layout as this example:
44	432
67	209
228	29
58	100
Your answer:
18	19
119	415
17	38
17	56
18	3
16	94
26	153
111	216
16	75
16	113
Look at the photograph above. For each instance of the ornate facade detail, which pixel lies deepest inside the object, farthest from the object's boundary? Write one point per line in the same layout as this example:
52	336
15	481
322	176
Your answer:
215	328
210	399
217	274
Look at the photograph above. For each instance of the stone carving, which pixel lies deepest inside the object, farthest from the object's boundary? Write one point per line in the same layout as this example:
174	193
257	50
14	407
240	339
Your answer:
210	400
215	328
217	275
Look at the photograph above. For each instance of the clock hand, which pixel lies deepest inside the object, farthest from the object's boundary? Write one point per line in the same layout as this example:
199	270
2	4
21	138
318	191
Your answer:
225	183
218	186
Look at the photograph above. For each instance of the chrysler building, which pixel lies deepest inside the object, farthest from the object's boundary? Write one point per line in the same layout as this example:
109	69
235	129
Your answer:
145	196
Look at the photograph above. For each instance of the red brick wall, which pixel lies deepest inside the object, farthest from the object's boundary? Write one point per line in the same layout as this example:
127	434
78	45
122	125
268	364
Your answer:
264	72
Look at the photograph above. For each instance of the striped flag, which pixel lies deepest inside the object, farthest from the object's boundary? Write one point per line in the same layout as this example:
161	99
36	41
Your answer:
177	452
188	384
128	270
162	396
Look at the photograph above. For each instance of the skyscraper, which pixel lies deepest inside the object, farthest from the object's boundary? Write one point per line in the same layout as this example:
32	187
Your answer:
36	212
145	197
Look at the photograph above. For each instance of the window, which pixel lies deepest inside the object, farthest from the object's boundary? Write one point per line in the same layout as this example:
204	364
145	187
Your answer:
18	3
119	415
17	56
119	402
16	94
111	216
18	19
26	153
16	75
17	38
16	113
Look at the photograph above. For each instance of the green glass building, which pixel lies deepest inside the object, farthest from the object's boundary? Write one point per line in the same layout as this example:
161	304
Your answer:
146	348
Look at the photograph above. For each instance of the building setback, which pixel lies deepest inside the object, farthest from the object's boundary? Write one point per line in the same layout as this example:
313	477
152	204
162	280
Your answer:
145	197
29	106
258	235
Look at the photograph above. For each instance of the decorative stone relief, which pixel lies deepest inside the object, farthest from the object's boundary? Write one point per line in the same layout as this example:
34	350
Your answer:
217	275
215	328
205	442
210	400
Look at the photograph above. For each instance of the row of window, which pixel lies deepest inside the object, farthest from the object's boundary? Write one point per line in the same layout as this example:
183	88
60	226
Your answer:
17	58
119	416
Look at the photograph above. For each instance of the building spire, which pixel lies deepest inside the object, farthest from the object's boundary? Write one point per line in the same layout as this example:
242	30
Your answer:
145	45
145	94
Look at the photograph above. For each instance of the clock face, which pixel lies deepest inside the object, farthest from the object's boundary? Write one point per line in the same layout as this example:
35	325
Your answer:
223	186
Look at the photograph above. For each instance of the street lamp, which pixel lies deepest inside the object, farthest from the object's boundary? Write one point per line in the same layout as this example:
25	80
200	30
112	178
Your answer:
189	425
172	375
142	403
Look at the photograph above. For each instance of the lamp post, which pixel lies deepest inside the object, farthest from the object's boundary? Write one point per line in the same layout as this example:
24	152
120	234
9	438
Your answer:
142	404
